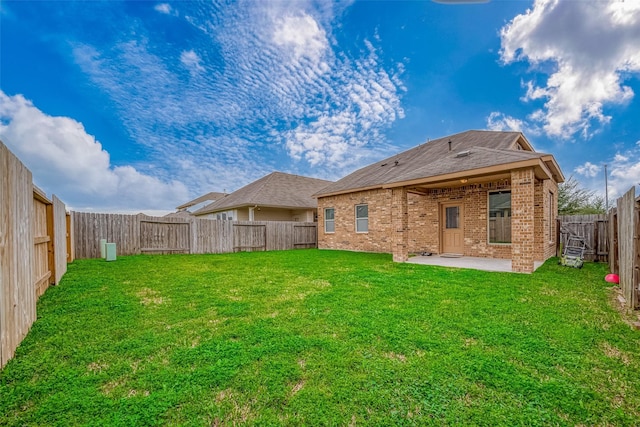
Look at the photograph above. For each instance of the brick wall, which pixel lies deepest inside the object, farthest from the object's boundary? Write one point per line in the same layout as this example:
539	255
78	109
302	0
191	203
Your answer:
400	224
380	236
523	247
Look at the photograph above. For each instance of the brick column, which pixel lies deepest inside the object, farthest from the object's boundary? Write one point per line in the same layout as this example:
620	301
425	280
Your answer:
399	224
522	220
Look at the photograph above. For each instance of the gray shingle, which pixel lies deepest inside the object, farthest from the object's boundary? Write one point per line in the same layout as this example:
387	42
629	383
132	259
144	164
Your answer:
277	189
487	148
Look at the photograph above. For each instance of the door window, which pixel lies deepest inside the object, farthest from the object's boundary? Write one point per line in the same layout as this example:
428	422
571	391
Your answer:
452	215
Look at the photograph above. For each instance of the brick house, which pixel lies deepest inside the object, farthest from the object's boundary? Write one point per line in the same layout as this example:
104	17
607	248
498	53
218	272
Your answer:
475	193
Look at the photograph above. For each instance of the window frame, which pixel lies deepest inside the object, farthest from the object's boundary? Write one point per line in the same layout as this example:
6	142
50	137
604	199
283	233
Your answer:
489	193
333	220
358	219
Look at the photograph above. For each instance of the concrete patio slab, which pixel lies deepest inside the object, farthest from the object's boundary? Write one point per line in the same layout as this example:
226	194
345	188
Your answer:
475	263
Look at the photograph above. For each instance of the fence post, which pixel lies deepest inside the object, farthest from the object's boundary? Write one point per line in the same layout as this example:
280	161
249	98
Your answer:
558	250
51	246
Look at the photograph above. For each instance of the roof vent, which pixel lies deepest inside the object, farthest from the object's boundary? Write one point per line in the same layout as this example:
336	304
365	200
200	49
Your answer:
464	153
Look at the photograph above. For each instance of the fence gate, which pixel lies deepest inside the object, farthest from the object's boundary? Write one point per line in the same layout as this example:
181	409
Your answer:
160	237
305	236
43	261
249	237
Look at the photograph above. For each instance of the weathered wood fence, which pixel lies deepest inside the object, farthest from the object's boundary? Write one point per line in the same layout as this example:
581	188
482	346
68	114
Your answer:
624	261
141	234
593	229
33	249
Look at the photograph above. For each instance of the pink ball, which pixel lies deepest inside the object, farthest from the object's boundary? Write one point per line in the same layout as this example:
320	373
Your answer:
612	278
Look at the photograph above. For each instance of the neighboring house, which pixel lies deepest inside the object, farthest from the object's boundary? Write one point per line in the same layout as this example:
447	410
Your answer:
200	202
275	197
476	193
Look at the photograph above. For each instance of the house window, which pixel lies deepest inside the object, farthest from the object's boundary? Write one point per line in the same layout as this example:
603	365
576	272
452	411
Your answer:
500	217
227	215
329	220
362	218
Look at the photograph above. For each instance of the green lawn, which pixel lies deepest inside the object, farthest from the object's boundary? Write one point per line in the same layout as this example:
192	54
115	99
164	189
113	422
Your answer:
322	338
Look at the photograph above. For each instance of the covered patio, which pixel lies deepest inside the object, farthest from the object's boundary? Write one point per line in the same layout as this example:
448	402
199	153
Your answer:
475	263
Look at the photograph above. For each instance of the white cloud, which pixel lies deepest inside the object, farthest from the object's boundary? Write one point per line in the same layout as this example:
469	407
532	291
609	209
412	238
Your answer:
163	8
192	61
620	158
69	162
624	172
591	47
588	169
503	122
301	35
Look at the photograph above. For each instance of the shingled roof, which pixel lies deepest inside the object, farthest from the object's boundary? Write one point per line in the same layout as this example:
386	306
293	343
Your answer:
459	153
278	189
212	197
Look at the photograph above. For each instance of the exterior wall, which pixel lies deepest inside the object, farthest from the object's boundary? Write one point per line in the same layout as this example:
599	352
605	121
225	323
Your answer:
545	217
269	214
424	219
242	214
523	221
275	214
379	238
399	224
303	215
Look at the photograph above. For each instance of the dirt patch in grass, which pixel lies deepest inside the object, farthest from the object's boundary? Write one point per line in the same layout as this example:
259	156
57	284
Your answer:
614	353
630	317
150	297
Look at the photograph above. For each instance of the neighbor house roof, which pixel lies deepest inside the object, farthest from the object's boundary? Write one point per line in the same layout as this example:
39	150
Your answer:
179	214
211	197
278	189
460	155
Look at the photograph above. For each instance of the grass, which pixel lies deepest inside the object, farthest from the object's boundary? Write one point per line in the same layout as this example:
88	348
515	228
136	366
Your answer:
322	338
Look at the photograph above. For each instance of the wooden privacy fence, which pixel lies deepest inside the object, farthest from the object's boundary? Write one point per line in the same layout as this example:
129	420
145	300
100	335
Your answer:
593	229
625	247
141	234
33	249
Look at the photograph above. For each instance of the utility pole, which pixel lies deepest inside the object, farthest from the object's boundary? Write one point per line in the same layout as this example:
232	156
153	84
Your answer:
606	190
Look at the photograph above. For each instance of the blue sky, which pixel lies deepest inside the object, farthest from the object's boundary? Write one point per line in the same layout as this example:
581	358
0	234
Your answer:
141	106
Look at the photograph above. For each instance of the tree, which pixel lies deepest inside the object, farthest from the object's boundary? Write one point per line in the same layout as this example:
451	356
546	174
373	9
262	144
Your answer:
575	200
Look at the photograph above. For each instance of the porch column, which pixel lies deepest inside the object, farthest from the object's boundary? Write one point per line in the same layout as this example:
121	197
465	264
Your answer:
522	220
399	224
